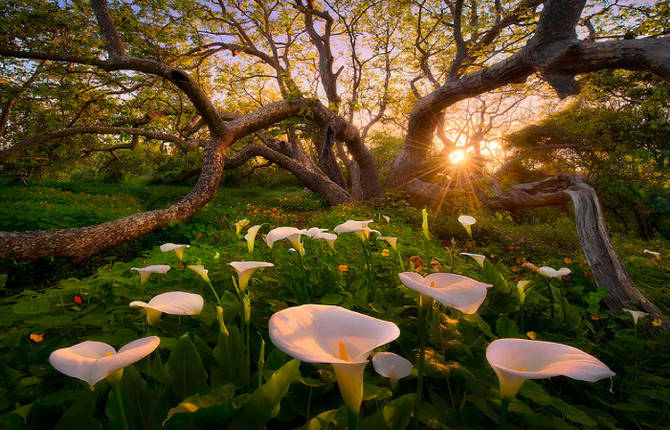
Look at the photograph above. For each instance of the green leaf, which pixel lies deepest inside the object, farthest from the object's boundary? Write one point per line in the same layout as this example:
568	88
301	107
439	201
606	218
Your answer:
230	361
332	299
393	416
218	396
264	403
80	414
187	374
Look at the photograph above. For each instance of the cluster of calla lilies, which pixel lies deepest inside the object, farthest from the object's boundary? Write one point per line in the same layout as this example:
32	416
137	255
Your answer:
340	337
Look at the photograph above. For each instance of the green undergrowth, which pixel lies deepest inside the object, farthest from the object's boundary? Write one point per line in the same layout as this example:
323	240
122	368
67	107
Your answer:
199	378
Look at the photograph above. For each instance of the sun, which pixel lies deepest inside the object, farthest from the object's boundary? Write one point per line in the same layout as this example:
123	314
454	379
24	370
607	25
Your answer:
458	156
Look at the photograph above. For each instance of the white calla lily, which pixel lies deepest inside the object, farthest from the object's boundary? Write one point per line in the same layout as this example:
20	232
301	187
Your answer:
291	233
173	303
392	241
250	237
201	271
467	221
313	231
328	237
455	291
245	269
515	360
636	315
359	228
145	272
332	334
654	254
239	225
387	219
550	272
391	366
176	247
479	258
93	361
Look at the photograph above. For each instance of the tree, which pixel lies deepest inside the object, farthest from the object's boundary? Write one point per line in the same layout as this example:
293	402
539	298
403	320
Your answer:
494	46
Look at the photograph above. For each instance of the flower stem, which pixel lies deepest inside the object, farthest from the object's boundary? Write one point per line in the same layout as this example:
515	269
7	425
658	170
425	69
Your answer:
504	407
122	408
423	317
563	305
353	420
402	266
551	297
218	300
303	278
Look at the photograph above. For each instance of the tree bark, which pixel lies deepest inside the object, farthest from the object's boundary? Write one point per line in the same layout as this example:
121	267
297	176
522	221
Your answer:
81	243
608	269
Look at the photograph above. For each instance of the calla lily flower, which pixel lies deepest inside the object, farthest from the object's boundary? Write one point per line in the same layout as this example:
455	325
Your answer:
328	237
332	334
239	225
313	231
245	269
391	366
250	237
521	288
515	360
654	254
177	248
467	221
174	303
392	241
94	361
636	314
145	272
477	257
388	219
553	273
201	271
424	223
359	228
455	291
291	233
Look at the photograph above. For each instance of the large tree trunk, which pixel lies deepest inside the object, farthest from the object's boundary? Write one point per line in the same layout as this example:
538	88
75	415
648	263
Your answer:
608	269
81	243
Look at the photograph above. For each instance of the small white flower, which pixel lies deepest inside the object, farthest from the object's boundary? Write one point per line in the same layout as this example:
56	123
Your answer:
391	366
477	257
553	273
145	272
654	254
173	303
328	237
636	314
201	271
250	237
93	361
177	248
291	233
245	269
392	241
456	291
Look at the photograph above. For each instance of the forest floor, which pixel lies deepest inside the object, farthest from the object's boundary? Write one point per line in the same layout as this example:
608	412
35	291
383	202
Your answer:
54	303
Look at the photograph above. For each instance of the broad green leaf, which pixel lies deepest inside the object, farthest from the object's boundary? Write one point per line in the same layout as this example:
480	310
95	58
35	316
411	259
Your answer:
264	403
218	396
185	369
394	416
80	414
